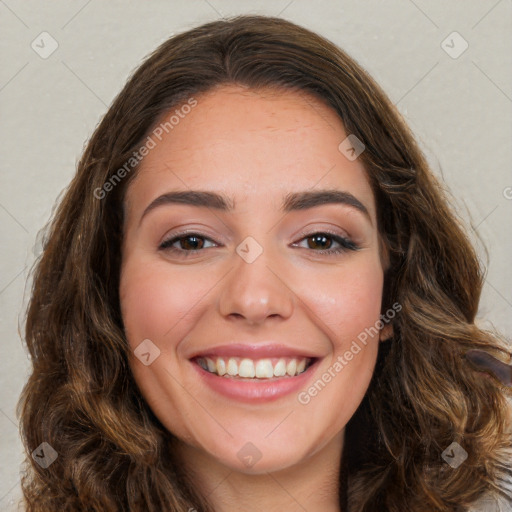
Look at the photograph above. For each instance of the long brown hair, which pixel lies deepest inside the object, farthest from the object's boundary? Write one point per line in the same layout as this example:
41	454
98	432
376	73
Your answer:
112	453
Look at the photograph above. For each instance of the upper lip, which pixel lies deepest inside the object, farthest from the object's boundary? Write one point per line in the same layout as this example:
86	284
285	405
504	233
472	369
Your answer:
253	351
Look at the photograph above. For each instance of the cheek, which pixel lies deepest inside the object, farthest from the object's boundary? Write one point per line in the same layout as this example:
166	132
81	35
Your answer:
348	300
348	309
154	303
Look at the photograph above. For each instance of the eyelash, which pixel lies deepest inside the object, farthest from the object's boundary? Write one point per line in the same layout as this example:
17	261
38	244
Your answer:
345	243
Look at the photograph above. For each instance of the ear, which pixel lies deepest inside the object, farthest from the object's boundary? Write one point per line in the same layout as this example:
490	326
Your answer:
386	332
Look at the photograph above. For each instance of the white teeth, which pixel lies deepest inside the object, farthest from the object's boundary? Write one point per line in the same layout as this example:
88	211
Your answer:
291	368
210	364
221	367
248	368
264	369
232	367
280	368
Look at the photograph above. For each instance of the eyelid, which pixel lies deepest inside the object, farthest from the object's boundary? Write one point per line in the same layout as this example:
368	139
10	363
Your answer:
199	231
303	233
330	231
175	237
346	244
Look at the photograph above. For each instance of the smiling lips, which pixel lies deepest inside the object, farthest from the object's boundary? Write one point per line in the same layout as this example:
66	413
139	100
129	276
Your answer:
254	361
254	374
266	368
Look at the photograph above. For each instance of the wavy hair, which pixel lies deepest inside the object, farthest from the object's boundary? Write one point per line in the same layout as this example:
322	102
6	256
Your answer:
113	454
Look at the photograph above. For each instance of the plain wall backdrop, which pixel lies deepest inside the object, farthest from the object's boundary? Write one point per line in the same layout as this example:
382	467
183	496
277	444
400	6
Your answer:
447	65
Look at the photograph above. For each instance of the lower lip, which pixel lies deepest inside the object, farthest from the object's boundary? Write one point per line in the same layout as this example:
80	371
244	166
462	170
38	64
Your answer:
255	391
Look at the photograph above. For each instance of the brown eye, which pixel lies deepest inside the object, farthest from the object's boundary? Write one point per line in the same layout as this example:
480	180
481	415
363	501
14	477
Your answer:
322	243
187	243
191	242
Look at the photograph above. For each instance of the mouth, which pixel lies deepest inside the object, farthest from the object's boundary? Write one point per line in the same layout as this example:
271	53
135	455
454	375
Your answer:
244	368
254	373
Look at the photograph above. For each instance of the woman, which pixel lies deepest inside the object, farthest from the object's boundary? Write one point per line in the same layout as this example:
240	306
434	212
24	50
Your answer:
199	343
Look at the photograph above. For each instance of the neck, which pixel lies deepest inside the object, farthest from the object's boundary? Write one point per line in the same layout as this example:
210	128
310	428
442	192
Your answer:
313	484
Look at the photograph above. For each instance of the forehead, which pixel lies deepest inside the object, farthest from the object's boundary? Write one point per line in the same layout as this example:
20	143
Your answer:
250	145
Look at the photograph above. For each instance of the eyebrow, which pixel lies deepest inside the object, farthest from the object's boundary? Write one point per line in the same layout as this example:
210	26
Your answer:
291	202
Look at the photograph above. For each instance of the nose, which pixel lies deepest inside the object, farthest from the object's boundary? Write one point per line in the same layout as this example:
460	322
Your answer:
253	292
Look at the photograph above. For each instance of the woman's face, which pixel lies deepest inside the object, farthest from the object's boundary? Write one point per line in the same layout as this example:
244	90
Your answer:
252	278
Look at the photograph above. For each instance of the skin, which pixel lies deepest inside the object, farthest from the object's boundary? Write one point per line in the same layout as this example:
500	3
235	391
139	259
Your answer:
255	147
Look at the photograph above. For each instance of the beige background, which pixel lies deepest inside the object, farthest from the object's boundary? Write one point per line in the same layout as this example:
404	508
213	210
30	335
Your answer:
459	108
